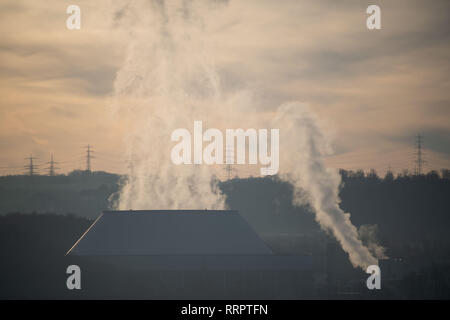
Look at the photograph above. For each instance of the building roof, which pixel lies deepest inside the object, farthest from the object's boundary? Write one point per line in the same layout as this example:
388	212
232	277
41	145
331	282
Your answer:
170	232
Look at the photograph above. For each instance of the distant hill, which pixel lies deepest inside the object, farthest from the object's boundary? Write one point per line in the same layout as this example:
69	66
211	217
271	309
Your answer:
408	215
80	193
402	207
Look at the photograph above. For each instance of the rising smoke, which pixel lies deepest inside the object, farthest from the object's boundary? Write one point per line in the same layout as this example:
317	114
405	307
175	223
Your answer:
167	81
304	167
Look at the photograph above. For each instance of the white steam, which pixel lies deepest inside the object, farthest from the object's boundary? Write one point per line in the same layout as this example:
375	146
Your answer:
166	82
304	167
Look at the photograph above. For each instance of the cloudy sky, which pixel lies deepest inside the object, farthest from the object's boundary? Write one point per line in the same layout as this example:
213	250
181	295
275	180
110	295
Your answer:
375	89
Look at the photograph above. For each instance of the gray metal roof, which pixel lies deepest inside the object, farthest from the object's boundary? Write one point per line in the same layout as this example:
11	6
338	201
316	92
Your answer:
170	232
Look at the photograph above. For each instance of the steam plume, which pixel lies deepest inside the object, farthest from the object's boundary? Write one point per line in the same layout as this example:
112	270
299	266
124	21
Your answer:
166	82
303	166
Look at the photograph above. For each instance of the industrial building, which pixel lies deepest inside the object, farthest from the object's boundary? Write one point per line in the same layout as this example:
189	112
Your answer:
188	253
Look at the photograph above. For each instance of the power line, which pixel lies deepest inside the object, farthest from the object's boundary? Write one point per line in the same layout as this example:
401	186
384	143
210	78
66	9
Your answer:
89	157
31	167
51	168
229	161
420	162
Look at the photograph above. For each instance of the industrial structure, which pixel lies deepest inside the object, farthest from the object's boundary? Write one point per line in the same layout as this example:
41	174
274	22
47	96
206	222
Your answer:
185	254
170	232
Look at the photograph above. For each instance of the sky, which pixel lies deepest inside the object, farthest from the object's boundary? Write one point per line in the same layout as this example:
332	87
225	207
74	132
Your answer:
374	89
